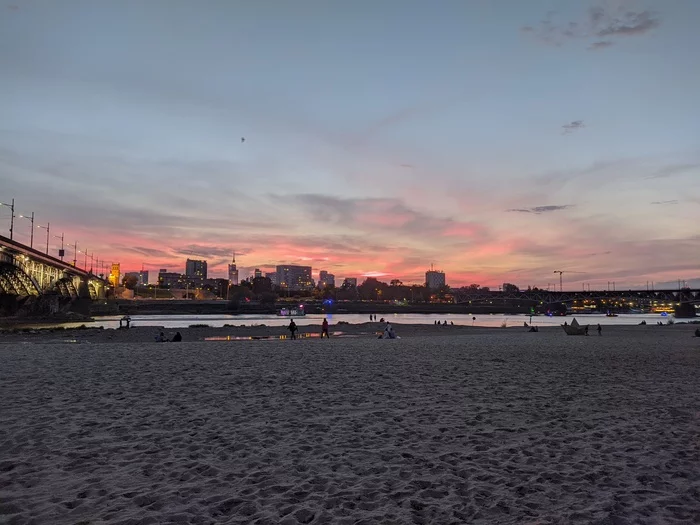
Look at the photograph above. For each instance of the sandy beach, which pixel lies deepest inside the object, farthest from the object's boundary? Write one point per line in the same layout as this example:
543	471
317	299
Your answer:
471	426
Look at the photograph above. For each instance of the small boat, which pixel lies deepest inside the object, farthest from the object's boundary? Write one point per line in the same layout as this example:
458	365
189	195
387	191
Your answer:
292	312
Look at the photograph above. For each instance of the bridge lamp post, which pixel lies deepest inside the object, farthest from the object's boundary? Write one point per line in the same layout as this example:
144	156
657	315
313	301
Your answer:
31	238
85	253
48	231
12	215
61	237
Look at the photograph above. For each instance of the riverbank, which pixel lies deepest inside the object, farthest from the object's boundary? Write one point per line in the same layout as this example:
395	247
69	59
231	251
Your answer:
477	426
203	332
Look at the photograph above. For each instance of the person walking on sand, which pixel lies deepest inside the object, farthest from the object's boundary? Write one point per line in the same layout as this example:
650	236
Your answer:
293	329
324	329
600	330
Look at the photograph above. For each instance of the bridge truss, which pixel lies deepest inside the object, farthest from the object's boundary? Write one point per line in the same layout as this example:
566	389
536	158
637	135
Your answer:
546	297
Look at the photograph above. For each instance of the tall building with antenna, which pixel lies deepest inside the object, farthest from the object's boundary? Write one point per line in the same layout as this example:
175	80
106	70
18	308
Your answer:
434	279
233	272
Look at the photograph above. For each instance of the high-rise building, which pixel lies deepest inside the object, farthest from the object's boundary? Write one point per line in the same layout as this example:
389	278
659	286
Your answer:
434	279
326	279
290	277
350	282
257	273
195	269
233	272
272	276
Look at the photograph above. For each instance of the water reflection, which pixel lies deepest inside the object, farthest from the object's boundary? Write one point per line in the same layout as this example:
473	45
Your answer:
183	321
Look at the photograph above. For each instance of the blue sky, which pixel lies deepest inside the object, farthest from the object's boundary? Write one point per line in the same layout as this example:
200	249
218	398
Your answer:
499	140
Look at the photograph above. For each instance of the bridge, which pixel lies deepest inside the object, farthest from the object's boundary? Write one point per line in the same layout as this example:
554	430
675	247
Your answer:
25	271
638	298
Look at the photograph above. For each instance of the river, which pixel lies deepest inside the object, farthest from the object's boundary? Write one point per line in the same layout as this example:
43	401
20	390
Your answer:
494	320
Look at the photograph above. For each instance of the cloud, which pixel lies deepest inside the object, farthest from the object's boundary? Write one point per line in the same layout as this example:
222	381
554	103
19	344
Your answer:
541	209
664	203
672	169
600	45
142	250
623	24
599	25
572	126
379	216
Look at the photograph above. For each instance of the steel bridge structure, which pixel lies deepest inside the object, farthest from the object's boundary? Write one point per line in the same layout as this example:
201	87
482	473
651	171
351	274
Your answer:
637	297
25	271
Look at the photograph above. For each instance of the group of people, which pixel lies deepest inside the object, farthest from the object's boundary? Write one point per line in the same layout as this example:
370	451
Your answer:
293	328
126	319
161	338
388	332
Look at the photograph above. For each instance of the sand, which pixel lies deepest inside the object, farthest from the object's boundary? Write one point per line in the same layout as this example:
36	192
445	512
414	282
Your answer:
470	427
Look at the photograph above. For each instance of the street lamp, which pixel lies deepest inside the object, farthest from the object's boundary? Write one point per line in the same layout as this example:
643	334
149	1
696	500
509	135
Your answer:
61	253
75	254
12	216
31	238
85	253
48	230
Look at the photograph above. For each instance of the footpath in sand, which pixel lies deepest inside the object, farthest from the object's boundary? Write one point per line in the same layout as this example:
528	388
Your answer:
486	428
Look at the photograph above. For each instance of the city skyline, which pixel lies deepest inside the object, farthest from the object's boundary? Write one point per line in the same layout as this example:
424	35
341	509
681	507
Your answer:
501	141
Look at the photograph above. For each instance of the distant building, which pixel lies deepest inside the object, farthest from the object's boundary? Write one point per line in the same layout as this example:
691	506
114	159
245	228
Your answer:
218	287
168	279
326	279
195	269
434	279
115	274
350	282
233	272
257	273
272	276
290	277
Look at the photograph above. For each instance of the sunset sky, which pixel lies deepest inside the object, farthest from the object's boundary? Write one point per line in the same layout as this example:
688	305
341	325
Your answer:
499	140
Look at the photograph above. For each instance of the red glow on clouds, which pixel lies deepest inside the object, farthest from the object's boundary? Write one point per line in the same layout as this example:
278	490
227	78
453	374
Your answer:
374	274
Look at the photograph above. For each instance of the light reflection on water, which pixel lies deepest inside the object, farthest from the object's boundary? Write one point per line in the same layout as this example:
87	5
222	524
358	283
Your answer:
497	320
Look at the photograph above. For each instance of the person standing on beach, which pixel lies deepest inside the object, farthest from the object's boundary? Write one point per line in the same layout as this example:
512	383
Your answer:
600	330
324	329
293	329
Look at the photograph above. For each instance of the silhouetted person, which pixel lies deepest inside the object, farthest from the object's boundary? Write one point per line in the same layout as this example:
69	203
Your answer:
388	332
128	321
600	329
177	337
585	330
293	329
697	332
160	338
324	329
